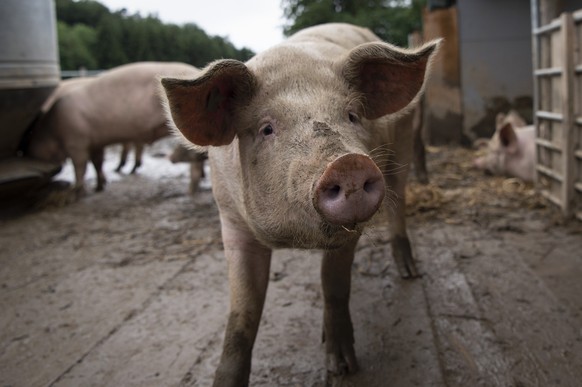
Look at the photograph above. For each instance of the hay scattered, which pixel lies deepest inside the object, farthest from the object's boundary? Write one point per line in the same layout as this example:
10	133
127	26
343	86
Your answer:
458	191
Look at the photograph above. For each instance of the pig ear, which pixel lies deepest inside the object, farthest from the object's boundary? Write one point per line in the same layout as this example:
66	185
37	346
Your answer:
388	77
203	109
508	138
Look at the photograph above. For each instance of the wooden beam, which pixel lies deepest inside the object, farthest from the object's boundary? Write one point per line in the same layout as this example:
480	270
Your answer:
567	91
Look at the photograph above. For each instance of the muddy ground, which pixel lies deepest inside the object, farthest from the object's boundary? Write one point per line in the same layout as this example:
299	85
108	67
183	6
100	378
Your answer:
128	288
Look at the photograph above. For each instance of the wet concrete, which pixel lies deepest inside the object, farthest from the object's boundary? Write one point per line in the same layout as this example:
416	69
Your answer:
128	288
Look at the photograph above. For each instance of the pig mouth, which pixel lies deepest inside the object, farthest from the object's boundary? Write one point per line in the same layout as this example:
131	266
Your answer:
321	235
331	230
337	236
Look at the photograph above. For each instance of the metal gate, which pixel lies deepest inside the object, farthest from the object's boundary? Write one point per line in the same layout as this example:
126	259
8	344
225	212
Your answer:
557	64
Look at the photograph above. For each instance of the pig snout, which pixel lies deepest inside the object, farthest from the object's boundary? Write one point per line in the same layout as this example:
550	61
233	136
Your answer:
349	191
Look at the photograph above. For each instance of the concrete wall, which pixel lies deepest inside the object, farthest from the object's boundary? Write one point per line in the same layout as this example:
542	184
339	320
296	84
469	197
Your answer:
496	62
484	68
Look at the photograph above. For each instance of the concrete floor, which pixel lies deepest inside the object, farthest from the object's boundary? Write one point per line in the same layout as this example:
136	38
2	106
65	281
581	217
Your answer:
128	288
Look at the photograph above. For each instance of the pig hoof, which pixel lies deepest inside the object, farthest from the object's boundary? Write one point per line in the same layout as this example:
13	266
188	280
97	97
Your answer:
339	365
340	354
231	376
403	257
342	363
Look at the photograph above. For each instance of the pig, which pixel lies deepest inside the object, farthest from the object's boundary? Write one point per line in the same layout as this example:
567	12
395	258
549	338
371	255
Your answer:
512	150
196	158
66	86
119	105
305	142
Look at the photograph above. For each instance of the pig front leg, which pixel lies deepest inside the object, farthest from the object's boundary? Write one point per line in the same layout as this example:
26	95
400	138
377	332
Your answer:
338	333
396	207
248	276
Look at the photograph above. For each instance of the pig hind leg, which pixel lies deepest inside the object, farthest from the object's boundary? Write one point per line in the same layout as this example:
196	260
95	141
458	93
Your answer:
123	156
97	156
338	333
138	155
418	143
395	203
420	158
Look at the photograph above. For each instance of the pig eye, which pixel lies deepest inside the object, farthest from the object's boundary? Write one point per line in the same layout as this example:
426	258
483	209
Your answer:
267	130
353	117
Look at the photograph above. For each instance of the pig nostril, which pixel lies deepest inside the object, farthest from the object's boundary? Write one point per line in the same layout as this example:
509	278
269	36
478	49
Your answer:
334	191
370	185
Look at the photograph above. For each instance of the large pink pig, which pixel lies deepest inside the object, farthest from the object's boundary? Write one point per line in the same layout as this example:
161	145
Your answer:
306	141
512	150
120	105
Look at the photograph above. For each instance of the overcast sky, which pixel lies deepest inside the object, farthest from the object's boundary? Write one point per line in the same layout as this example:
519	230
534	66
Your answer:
255	24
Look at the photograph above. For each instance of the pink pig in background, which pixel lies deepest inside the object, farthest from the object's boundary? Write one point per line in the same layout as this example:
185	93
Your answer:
120	105
512	150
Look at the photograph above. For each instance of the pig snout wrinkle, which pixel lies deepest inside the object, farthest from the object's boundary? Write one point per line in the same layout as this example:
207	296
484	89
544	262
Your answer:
349	191
321	129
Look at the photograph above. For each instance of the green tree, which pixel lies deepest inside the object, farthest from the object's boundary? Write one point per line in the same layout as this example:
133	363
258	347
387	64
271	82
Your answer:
109	50
86	12
92	36
76	45
391	20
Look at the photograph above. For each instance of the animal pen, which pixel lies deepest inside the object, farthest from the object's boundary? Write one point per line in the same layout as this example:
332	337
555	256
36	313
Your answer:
557	60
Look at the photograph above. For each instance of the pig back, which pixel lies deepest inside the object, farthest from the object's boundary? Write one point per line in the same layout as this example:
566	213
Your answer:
343	35
123	104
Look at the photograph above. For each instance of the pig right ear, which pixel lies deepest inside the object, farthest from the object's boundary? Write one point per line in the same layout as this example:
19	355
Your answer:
387	77
203	109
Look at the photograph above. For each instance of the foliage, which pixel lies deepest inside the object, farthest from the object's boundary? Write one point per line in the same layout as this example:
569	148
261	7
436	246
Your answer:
75	44
391	20
93	37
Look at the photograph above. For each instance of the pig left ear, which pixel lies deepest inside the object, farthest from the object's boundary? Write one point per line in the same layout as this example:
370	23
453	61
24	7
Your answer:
204	109
388	77
508	138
